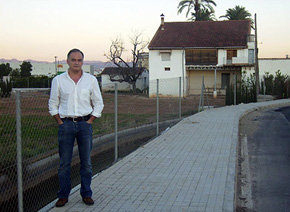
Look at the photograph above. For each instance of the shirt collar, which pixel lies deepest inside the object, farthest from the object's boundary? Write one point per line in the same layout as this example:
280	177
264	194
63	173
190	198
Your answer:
67	75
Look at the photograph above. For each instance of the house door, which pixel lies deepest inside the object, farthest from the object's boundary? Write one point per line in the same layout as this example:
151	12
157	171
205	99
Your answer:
225	80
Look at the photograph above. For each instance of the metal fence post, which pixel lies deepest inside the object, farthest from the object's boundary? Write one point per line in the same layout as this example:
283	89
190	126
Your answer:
116	122
235	89
19	151
201	100
179	98
157	108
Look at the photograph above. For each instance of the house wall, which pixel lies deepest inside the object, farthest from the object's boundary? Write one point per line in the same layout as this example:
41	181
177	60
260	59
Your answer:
242	56
108	85
190	79
169	80
195	80
141	83
222	55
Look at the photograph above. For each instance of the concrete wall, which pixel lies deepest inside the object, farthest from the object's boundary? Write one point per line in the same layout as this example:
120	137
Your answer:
272	65
108	85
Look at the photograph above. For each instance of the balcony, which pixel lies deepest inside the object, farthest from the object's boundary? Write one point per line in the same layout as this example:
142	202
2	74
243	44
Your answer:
239	61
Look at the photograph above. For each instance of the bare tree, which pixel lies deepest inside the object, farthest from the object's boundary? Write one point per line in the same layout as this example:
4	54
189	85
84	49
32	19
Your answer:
128	70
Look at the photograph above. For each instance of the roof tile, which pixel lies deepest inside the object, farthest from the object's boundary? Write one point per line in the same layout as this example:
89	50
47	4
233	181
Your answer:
202	34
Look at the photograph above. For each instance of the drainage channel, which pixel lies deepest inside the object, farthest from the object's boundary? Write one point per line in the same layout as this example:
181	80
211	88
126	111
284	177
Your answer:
44	190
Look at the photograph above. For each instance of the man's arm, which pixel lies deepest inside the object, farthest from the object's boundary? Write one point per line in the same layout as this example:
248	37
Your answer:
97	101
53	103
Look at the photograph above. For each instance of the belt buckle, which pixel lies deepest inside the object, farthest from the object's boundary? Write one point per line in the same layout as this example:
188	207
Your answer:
74	119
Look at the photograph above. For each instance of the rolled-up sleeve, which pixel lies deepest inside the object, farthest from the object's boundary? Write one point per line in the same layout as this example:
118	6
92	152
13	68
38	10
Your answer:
53	103
97	100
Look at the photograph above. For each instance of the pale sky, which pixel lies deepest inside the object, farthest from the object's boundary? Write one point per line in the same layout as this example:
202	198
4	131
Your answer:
42	29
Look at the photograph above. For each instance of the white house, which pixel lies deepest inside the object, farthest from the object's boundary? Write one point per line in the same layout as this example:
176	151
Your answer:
107	85
193	50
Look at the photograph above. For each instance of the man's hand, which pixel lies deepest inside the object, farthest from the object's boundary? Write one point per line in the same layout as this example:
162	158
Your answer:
90	121
58	119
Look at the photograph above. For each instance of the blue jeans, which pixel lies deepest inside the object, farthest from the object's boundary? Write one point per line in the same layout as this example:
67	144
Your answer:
67	133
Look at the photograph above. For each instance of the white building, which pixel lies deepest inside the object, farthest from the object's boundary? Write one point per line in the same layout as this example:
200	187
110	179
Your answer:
113	72
272	65
193	50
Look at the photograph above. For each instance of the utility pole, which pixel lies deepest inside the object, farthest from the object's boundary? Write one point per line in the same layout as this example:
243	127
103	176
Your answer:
256	59
55	65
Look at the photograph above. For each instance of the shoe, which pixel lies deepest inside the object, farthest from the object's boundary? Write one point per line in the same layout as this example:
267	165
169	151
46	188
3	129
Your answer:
88	200
61	202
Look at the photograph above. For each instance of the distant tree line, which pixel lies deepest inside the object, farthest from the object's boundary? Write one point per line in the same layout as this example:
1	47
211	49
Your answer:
20	78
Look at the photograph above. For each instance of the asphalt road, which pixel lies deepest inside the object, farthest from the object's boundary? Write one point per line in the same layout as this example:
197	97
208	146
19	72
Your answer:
268	136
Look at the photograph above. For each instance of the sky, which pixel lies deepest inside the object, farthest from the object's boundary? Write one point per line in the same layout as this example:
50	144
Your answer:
43	29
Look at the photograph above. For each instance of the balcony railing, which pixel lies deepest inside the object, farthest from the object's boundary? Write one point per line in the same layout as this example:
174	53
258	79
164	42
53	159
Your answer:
238	60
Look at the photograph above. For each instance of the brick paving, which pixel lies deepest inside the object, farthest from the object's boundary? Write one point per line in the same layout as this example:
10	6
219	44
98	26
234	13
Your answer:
190	167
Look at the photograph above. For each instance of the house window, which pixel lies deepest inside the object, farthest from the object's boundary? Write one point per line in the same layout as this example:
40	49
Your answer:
166	68
230	54
201	56
165	56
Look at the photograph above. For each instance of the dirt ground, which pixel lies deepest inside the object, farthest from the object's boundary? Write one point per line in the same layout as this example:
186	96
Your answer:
36	103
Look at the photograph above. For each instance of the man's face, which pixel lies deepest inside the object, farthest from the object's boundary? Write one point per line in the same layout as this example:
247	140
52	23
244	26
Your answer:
75	61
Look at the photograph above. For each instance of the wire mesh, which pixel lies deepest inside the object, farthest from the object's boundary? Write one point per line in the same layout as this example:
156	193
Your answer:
169	99
136	125
8	170
135	109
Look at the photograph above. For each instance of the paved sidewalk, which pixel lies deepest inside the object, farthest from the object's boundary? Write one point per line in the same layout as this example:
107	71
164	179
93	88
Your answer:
190	167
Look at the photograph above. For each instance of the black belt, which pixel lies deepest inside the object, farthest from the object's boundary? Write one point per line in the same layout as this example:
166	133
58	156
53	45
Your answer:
76	119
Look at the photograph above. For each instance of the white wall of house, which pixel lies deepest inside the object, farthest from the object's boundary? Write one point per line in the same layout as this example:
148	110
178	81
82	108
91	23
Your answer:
141	83
108	85
170	78
242	57
222	57
177	69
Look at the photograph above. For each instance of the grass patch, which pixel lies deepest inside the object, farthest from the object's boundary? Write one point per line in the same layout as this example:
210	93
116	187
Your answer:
39	134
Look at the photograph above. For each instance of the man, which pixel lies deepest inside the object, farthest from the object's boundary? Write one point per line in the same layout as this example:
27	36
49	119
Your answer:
75	101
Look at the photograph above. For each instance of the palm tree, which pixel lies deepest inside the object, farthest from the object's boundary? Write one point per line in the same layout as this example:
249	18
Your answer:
203	14
237	13
195	4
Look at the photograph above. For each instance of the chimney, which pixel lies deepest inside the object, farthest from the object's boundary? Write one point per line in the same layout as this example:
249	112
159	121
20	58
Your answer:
162	21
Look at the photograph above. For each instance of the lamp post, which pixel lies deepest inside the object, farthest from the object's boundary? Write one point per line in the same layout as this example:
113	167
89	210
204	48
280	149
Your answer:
214	92
256	60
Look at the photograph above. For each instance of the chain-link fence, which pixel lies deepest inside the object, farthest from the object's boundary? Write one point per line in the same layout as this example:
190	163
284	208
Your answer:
29	176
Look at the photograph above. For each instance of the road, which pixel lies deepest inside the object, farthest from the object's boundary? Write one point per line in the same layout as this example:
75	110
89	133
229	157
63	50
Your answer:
267	135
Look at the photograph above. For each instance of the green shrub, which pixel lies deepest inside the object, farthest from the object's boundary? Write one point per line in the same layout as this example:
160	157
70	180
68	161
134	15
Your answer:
6	88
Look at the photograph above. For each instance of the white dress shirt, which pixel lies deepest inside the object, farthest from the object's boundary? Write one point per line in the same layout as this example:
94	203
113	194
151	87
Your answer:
70	99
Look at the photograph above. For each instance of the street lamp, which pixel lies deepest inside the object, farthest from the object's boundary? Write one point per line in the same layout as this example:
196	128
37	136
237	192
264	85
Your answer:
214	92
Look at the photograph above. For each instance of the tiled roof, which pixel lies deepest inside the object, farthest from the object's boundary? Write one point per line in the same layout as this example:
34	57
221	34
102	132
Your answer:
202	34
